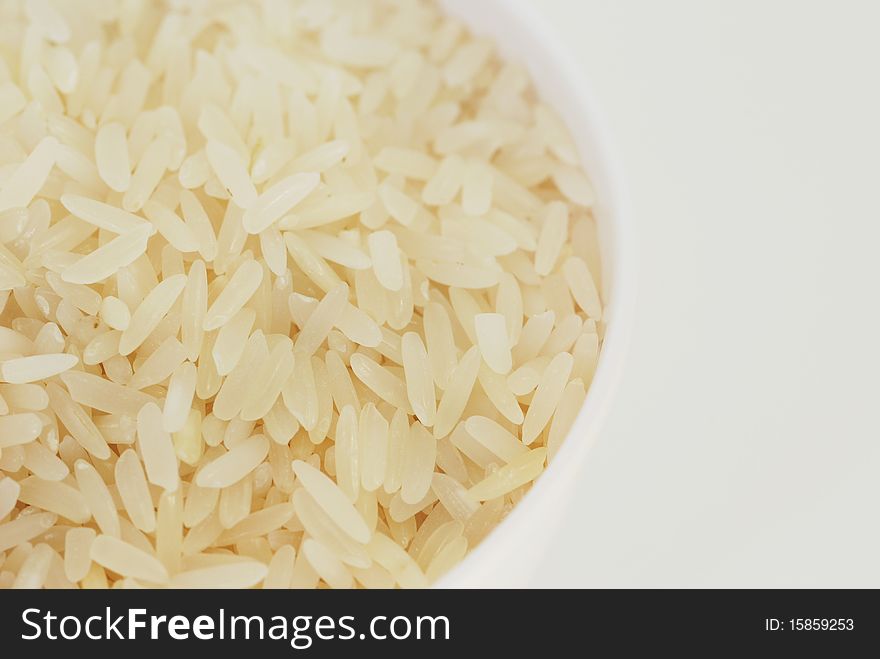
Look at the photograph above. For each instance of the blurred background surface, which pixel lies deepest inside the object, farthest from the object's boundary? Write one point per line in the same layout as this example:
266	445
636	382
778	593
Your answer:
744	445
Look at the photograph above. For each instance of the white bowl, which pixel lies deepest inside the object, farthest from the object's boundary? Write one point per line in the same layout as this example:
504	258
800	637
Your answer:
509	555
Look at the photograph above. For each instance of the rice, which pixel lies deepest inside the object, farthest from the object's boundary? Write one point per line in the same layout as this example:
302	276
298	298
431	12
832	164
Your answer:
35	568
326	565
322	319
35	367
150	312
418	454
494	437
231	467
9	490
161	363
290	296
181	391
238	290
102	215
176	232
126	559
24	528
279	573
373	447
19	189
235	502
60	498
278	200
491	334
332	500
98	499
77	553
546	396
108	259
519	471
239	574
456	395
156	448
77	422
554	230
230	169
131	484
386	262
317	524
100	394
419	382
17	429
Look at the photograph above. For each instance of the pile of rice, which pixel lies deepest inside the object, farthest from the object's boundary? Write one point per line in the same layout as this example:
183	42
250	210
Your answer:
292	294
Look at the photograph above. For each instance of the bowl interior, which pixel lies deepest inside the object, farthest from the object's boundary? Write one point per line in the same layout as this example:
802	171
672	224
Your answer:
523	36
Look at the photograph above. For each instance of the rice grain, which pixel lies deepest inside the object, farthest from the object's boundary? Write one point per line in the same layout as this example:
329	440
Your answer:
254	262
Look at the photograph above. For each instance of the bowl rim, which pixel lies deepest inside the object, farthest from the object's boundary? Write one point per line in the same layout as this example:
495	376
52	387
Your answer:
620	264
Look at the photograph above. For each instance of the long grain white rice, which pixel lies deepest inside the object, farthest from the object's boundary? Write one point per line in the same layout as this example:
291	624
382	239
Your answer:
102	215
238	574
24	528
178	402
583	289
417	458
106	260
111	156
328	567
494	437
98	498
60	498
294	312
490	330
231	171
172	228
419	384
16	429
77	552
9	490
161	363
77	421
326	314
332	501
19	189
126	559
552	237
101	394
373	447
36	367
150	312
453	496
386	261
235	502
382	381
199	223
278	200
444	185
348	453
300	393
238	290
156	448
279	574
317	524
134	491
546	396
455	398
231	467
195	302
476	193
34	569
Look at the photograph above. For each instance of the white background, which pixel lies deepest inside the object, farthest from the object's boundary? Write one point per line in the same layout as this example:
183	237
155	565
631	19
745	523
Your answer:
744	445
